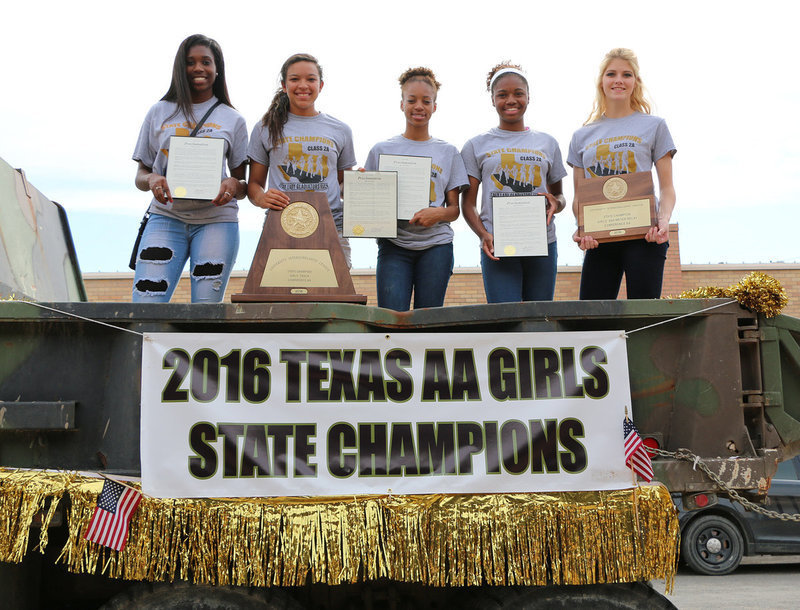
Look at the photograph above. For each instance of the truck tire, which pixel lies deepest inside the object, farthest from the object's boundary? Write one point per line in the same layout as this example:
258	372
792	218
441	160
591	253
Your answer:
632	596
186	596
712	545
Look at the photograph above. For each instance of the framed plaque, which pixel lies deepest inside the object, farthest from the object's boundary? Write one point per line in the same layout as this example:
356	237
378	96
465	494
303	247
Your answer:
616	208
299	257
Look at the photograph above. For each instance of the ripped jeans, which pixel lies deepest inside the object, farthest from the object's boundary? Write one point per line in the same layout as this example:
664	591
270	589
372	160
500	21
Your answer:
166	245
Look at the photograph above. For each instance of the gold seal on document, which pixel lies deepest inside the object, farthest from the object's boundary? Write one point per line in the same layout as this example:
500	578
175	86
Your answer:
299	219
615	188
358	230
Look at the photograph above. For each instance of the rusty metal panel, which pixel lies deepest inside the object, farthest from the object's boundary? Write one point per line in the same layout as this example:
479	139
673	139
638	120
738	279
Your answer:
42	416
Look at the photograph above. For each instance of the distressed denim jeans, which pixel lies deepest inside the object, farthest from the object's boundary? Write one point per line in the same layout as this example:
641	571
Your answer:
168	243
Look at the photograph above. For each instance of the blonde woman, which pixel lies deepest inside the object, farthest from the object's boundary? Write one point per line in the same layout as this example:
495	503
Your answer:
620	137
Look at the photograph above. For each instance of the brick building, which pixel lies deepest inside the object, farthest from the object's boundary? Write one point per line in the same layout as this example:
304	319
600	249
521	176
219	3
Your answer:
466	285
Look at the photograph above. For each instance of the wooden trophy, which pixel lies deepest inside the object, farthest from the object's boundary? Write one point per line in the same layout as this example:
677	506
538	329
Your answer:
615	208
299	257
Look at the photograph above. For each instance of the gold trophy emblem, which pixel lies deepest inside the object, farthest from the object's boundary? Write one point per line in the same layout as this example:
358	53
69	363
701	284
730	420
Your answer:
299	219
615	188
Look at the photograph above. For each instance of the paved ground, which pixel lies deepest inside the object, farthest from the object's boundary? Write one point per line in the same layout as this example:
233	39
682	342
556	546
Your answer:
765	583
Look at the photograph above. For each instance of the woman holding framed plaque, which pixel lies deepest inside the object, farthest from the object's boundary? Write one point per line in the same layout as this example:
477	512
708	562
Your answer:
507	163
622	137
420	258
297	147
182	226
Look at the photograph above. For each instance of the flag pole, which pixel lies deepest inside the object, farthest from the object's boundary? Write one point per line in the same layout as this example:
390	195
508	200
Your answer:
124	484
635	488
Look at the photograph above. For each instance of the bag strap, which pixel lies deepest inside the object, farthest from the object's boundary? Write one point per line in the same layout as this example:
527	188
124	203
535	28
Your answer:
203	120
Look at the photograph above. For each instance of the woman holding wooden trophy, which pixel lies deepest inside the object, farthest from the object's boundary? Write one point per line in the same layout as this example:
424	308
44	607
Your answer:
622	227
298	147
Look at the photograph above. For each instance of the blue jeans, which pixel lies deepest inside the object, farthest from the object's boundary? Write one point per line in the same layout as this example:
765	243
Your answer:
641	261
168	243
520	278
400	270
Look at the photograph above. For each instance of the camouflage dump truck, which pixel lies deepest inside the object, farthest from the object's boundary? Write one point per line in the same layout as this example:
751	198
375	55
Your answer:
706	376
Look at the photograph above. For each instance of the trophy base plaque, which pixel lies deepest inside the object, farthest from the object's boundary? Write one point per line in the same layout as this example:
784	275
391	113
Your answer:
299	257
616	208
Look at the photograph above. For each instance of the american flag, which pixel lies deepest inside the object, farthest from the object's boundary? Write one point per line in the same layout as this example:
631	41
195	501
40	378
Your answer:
109	524
636	456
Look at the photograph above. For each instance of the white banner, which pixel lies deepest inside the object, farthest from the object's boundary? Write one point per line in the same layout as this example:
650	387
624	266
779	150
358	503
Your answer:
238	415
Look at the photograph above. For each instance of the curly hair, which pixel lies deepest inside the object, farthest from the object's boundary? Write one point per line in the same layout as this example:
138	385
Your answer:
421	74
497	68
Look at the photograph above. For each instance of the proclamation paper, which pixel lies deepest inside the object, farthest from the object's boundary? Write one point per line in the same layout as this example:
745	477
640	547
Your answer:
520	225
413	182
618	217
369	204
194	170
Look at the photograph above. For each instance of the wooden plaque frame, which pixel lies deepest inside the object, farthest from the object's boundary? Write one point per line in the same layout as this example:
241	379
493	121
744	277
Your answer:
304	247
635	187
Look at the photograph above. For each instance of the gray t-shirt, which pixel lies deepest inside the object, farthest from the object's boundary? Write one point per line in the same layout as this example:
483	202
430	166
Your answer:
630	144
152	149
513	163
447	173
620	146
308	158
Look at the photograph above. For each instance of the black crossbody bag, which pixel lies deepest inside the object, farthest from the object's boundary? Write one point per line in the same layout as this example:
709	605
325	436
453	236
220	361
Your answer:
146	217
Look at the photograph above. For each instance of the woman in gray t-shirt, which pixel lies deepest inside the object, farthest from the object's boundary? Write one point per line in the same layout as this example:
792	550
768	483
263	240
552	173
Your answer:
297	148
620	137
420	258
512	159
205	232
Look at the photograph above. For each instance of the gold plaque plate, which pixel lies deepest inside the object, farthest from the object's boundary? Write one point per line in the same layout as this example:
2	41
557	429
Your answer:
299	268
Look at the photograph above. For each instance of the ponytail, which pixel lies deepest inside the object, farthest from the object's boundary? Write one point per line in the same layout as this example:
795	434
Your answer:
278	112
276	116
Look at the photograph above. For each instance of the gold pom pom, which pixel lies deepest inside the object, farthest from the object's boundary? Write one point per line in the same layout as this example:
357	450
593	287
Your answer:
760	292
757	292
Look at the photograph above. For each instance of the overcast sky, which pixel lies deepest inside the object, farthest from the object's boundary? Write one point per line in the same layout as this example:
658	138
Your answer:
81	76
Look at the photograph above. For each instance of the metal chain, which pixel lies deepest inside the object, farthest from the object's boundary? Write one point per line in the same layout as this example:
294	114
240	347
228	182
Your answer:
688	456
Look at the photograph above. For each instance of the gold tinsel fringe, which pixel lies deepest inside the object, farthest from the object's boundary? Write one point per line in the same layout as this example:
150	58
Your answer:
29	495
757	291
442	540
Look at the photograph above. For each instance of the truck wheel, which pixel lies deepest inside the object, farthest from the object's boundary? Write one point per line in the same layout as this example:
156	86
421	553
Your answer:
631	596
712	545
183	595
